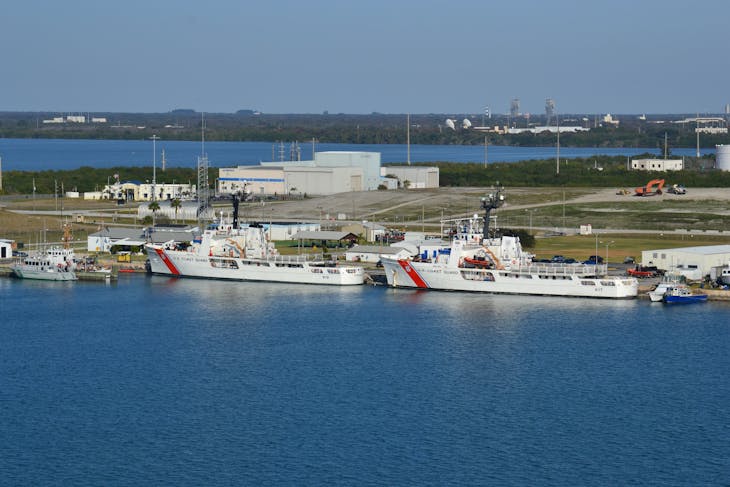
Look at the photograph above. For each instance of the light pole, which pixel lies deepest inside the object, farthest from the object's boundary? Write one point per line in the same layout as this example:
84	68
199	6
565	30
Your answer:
154	138
530	212
607	244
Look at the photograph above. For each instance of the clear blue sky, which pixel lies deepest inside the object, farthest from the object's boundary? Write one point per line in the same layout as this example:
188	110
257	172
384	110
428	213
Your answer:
390	56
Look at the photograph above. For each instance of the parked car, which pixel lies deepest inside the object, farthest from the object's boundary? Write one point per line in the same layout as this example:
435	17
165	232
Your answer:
629	260
594	259
558	259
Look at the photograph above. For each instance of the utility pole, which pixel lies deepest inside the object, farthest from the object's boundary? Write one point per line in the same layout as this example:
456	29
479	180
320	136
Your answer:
486	154
154	138
408	137
557	154
697	129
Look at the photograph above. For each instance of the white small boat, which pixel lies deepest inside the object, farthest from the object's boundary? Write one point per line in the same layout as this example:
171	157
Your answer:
51	264
669	280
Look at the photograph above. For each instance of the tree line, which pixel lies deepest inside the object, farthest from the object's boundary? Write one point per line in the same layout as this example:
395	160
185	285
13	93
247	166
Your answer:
353	129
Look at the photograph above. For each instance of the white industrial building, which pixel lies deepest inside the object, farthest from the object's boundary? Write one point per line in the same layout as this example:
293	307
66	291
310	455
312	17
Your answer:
722	157
693	262
126	237
570	129
103	240
6	248
288	231
136	191
374	253
417	177
330	172
657	164
188	210
165	191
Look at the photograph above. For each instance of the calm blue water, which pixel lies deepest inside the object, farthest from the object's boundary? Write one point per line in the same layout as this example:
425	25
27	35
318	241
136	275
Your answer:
188	382
42	154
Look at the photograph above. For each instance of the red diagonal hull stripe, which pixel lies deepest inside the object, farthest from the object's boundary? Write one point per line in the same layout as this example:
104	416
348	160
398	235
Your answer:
167	262
413	274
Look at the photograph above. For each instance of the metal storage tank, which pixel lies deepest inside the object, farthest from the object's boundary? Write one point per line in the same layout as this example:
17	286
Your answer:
722	157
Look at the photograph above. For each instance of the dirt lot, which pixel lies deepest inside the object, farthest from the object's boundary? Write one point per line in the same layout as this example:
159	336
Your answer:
413	205
402	208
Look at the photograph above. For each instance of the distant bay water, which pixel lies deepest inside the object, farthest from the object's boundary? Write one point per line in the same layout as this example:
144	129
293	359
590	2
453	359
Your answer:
63	154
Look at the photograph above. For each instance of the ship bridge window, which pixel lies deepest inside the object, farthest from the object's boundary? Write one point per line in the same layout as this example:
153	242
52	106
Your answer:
224	263
478	275
608	283
587	283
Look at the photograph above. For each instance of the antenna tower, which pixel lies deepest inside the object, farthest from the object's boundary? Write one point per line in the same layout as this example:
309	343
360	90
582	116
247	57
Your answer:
203	190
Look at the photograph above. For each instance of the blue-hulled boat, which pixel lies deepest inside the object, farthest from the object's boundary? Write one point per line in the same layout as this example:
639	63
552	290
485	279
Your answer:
682	295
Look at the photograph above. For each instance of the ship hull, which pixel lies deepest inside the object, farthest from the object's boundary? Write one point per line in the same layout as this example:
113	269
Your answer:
427	275
190	264
50	275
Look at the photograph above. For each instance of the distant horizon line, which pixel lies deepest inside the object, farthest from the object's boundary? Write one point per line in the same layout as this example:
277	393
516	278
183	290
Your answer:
248	112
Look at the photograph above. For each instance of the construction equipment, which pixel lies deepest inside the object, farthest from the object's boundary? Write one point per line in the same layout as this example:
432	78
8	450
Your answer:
653	187
677	189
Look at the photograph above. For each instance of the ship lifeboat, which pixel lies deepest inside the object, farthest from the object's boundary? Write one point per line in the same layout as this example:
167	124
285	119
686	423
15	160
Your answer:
478	262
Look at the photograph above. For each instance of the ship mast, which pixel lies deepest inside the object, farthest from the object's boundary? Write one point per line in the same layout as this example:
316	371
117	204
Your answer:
491	202
66	236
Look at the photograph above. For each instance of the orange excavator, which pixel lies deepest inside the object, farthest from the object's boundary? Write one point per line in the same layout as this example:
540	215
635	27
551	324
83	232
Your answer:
653	187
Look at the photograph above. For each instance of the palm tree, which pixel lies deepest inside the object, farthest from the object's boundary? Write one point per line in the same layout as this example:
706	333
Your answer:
154	208
176	204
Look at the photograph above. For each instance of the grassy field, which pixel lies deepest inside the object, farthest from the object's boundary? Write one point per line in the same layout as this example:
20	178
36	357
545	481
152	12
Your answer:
641	215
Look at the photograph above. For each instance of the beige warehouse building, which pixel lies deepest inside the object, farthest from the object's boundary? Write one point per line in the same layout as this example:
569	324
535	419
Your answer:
328	173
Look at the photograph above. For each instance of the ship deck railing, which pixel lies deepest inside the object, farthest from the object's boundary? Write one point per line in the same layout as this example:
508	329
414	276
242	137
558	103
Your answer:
298	259
560	269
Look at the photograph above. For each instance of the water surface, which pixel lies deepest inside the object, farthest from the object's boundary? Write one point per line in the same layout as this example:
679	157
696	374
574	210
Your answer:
195	382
